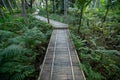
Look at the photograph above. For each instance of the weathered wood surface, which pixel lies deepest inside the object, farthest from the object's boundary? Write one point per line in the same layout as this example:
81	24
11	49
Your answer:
61	60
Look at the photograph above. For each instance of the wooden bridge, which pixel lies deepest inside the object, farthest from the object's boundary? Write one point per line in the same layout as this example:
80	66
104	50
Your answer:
61	61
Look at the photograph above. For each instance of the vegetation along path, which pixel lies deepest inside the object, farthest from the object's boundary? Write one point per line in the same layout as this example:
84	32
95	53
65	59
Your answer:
61	61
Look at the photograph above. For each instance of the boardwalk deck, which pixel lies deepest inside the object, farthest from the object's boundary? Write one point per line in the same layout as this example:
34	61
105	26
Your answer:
61	61
55	24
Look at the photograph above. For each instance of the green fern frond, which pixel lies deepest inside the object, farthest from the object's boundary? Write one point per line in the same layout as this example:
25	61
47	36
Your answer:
27	71
1	57
18	76
16	40
34	33
9	67
5	35
91	75
13	50
109	51
78	42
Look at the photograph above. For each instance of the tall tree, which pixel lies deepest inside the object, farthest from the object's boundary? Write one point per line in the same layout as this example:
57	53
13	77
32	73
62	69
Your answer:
2	14
47	13
15	4
107	10
65	7
23	8
54	5
4	3
10	6
81	4
31	3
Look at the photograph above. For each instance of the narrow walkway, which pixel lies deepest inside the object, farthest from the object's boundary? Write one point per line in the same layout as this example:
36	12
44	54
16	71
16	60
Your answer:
61	61
55	24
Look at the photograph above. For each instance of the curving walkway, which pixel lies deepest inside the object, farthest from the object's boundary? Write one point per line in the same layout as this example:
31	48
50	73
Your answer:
61	60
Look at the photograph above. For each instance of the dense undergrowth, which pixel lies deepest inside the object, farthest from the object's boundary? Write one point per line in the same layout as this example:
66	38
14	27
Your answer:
23	43
97	44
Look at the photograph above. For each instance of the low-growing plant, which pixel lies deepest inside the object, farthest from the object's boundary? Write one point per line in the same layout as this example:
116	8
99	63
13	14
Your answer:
23	42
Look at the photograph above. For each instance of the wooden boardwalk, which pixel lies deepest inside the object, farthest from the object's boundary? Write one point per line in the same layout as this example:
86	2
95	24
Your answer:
61	60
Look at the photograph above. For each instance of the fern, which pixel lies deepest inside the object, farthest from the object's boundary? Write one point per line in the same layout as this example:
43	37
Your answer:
109	52
16	40
4	35
18	76
33	36
21	41
78	42
13	50
91	75
29	38
22	75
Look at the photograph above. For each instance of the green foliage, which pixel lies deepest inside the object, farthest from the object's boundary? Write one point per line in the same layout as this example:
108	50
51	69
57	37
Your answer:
98	43
4	35
82	3
98	64
91	75
57	17
98	47
13	50
22	40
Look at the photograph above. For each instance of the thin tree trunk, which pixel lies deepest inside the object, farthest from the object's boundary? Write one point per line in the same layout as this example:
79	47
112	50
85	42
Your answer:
105	16
65	7
106	13
62	6
46	1
80	20
31	3
27	4
65	10
95	3
54	6
12	3
15	3
1	12
98	4
23	8
11	9
4	4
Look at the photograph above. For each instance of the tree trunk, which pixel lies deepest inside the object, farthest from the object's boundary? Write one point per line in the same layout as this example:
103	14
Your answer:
2	14
31	3
46	1
80	20
98	4
65	7
54	6
105	16
23	8
106	13
10	6
65	10
15	3
4	4
95	4
12	3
